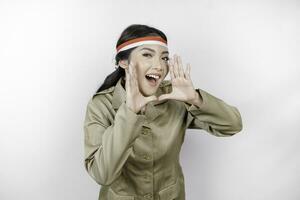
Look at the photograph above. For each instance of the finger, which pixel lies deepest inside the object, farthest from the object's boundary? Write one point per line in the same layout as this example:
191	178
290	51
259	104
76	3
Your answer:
176	71
176	67
129	72
180	68
134	78
151	98
168	66
130	69
134	75
126	79
173	73
172	69
165	96
188	69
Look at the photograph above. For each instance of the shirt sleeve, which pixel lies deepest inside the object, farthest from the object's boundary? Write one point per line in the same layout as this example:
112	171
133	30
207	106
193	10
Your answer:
108	147
214	115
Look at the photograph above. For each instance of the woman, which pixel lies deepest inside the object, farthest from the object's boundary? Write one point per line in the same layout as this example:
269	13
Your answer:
135	123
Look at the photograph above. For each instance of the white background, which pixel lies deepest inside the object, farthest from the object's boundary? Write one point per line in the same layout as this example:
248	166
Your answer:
55	54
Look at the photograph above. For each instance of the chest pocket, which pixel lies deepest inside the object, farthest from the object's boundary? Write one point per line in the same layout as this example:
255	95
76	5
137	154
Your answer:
171	192
112	195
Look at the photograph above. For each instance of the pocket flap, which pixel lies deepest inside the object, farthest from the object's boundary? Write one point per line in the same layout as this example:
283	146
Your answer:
170	192
114	196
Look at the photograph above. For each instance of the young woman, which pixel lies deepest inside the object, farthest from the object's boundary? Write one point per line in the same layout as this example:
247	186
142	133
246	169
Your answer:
135	123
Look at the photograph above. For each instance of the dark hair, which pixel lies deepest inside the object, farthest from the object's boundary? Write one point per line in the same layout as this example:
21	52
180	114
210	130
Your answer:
131	32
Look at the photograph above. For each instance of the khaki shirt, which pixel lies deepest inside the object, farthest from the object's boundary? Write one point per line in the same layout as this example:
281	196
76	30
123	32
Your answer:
135	156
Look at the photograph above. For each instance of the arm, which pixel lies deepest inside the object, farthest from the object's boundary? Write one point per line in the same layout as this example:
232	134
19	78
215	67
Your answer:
204	111
108	147
213	115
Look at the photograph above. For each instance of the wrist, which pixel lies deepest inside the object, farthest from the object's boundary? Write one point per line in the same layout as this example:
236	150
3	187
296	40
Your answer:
131	108
197	100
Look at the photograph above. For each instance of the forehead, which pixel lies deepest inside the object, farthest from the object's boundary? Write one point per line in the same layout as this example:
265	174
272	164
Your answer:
155	47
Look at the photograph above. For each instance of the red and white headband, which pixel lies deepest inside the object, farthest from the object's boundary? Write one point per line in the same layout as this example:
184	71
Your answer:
140	41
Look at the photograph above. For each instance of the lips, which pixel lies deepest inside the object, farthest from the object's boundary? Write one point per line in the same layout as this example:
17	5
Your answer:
153	78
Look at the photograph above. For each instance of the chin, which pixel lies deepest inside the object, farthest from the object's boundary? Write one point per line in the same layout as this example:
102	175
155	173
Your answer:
150	93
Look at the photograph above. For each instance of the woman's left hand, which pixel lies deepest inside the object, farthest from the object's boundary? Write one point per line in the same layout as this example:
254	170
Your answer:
182	86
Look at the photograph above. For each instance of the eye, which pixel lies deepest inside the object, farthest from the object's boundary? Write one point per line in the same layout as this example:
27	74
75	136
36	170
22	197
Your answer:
147	54
166	58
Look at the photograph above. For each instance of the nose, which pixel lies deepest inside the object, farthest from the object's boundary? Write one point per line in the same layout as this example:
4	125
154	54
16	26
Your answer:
157	64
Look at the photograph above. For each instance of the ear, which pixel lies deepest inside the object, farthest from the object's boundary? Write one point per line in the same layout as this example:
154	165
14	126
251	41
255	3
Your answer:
123	64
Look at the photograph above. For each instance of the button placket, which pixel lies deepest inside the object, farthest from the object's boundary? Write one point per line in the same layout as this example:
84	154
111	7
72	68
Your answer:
148	179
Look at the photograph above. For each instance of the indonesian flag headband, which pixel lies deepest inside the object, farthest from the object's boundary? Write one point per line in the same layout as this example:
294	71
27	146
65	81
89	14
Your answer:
140	41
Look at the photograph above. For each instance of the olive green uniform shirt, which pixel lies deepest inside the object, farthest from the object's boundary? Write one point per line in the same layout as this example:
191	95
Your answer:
135	156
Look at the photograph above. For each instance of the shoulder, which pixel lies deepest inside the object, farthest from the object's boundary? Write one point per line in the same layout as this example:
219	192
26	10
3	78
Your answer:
101	99
109	90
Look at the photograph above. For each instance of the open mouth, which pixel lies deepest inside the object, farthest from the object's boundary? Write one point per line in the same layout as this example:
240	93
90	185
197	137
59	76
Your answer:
152	79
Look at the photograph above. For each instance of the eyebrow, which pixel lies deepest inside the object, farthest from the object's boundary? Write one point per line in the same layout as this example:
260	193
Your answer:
153	50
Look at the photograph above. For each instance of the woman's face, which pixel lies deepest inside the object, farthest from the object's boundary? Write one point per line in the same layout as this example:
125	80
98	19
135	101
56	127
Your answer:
150	59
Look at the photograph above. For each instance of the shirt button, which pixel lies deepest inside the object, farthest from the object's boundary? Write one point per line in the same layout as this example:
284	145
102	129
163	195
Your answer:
146	157
144	132
148	196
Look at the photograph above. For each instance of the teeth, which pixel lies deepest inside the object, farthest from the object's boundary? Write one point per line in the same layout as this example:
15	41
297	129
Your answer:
153	76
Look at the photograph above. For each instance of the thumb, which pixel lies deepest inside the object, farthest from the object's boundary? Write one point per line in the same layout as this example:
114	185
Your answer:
164	96
151	98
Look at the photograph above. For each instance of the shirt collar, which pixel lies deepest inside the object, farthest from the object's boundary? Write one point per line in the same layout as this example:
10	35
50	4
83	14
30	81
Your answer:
119	95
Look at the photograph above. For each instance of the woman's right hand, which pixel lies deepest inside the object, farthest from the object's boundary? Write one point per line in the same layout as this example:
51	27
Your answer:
135	100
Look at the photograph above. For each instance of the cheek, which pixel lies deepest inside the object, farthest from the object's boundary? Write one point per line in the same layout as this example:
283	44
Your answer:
166	69
140	74
141	69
